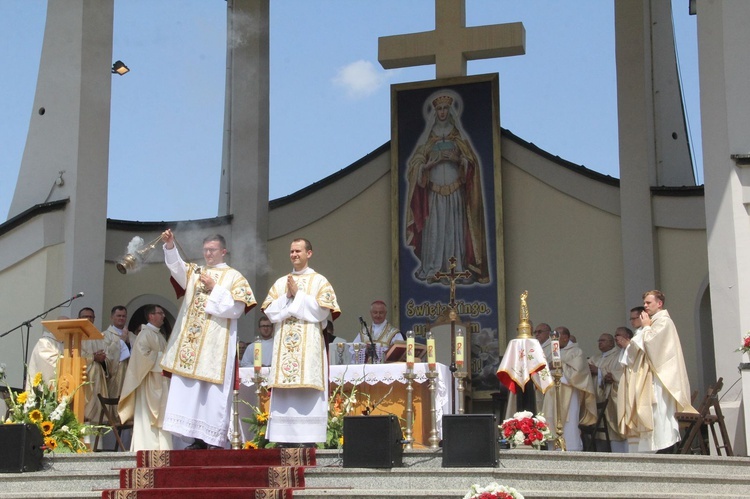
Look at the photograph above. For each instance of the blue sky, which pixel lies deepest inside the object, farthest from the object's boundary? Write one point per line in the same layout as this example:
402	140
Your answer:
330	98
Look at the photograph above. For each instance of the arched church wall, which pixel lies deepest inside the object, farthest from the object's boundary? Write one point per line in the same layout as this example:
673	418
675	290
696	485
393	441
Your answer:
33	286
565	251
683	262
351	247
135	288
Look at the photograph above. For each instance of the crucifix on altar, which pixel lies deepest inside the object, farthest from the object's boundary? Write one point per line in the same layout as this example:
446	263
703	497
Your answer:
458	337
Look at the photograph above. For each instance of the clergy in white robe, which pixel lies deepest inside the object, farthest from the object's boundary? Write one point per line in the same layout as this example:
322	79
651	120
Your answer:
300	304
145	388
43	358
118	327
577	394
265	339
384	334
658	384
606	372
202	348
102	359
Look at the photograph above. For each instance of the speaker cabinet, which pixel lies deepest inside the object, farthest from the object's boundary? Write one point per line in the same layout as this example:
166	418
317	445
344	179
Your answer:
372	442
470	440
20	448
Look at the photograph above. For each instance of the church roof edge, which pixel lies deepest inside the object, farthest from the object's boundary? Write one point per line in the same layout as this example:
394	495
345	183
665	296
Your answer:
34	211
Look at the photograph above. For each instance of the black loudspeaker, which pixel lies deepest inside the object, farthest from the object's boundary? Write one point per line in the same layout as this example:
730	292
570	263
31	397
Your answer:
20	448
372	442
470	440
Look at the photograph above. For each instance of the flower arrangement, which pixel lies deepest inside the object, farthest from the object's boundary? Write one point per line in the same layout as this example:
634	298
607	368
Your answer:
340	403
527	429
493	491
258	423
60	428
745	348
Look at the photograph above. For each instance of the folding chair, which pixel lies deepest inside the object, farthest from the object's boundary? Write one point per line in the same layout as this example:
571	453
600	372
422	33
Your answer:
590	432
113	420
718	418
695	424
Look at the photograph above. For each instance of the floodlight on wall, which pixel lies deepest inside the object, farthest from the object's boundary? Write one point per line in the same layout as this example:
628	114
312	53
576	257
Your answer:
120	68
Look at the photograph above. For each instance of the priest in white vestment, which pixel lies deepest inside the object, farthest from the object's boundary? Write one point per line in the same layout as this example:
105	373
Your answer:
43	359
577	394
118	326
384	334
102	359
265	338
145	388
658	384
300	304
202	348
606	372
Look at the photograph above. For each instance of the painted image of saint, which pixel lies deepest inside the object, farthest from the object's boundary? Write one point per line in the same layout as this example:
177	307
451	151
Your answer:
445	208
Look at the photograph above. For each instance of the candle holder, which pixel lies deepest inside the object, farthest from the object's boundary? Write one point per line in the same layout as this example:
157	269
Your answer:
560	439
357	347
409	433
557	376
340	352
236	440
460	377
434	440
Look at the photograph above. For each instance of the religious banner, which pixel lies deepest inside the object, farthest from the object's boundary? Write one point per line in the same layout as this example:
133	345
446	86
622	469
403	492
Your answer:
447	206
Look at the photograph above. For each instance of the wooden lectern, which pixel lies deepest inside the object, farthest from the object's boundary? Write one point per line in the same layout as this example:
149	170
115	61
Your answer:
71	368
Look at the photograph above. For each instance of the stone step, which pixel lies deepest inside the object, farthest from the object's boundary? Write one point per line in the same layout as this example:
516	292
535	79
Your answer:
536	474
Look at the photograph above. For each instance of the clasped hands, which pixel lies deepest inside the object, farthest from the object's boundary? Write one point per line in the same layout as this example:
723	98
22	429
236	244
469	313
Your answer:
291	286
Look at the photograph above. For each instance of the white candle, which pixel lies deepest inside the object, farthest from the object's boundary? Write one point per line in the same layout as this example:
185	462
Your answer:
556	359
431	362
410	349
257	355
459	347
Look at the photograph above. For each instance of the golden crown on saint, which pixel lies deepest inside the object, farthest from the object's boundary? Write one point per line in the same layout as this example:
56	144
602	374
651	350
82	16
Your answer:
443	99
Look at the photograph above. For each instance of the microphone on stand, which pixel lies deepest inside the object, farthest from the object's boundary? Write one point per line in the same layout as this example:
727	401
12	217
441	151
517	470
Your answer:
78	295
371	347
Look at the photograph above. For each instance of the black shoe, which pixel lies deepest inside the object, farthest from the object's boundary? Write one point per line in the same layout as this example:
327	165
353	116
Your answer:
198	444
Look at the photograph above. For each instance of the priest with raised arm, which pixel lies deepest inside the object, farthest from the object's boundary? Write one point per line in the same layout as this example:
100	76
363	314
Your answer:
658	384
202	348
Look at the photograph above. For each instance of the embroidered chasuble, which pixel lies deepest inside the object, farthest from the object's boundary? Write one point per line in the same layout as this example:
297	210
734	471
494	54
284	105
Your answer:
383	334
199	345
299	349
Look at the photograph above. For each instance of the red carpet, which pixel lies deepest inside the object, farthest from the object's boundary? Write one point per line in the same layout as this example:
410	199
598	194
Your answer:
267	473
257	457
199	493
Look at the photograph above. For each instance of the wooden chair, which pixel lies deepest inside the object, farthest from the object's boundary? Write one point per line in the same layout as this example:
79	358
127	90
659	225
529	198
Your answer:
109	410
696	424
590	432
718	418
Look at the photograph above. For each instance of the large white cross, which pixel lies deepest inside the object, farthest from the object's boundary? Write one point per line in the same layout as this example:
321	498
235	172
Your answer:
451	43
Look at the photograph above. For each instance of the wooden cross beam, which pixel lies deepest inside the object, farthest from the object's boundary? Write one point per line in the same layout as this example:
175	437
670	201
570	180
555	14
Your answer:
451	43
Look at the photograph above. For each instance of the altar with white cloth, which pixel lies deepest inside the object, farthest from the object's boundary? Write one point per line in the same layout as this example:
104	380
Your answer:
373	381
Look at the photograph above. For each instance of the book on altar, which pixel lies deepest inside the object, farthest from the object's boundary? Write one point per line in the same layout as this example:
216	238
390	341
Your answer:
397	352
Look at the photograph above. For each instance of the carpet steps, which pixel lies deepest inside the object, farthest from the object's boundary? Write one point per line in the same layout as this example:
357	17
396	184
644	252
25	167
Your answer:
536	474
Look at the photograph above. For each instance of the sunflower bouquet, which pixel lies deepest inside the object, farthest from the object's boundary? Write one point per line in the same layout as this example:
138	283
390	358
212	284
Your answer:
60	428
